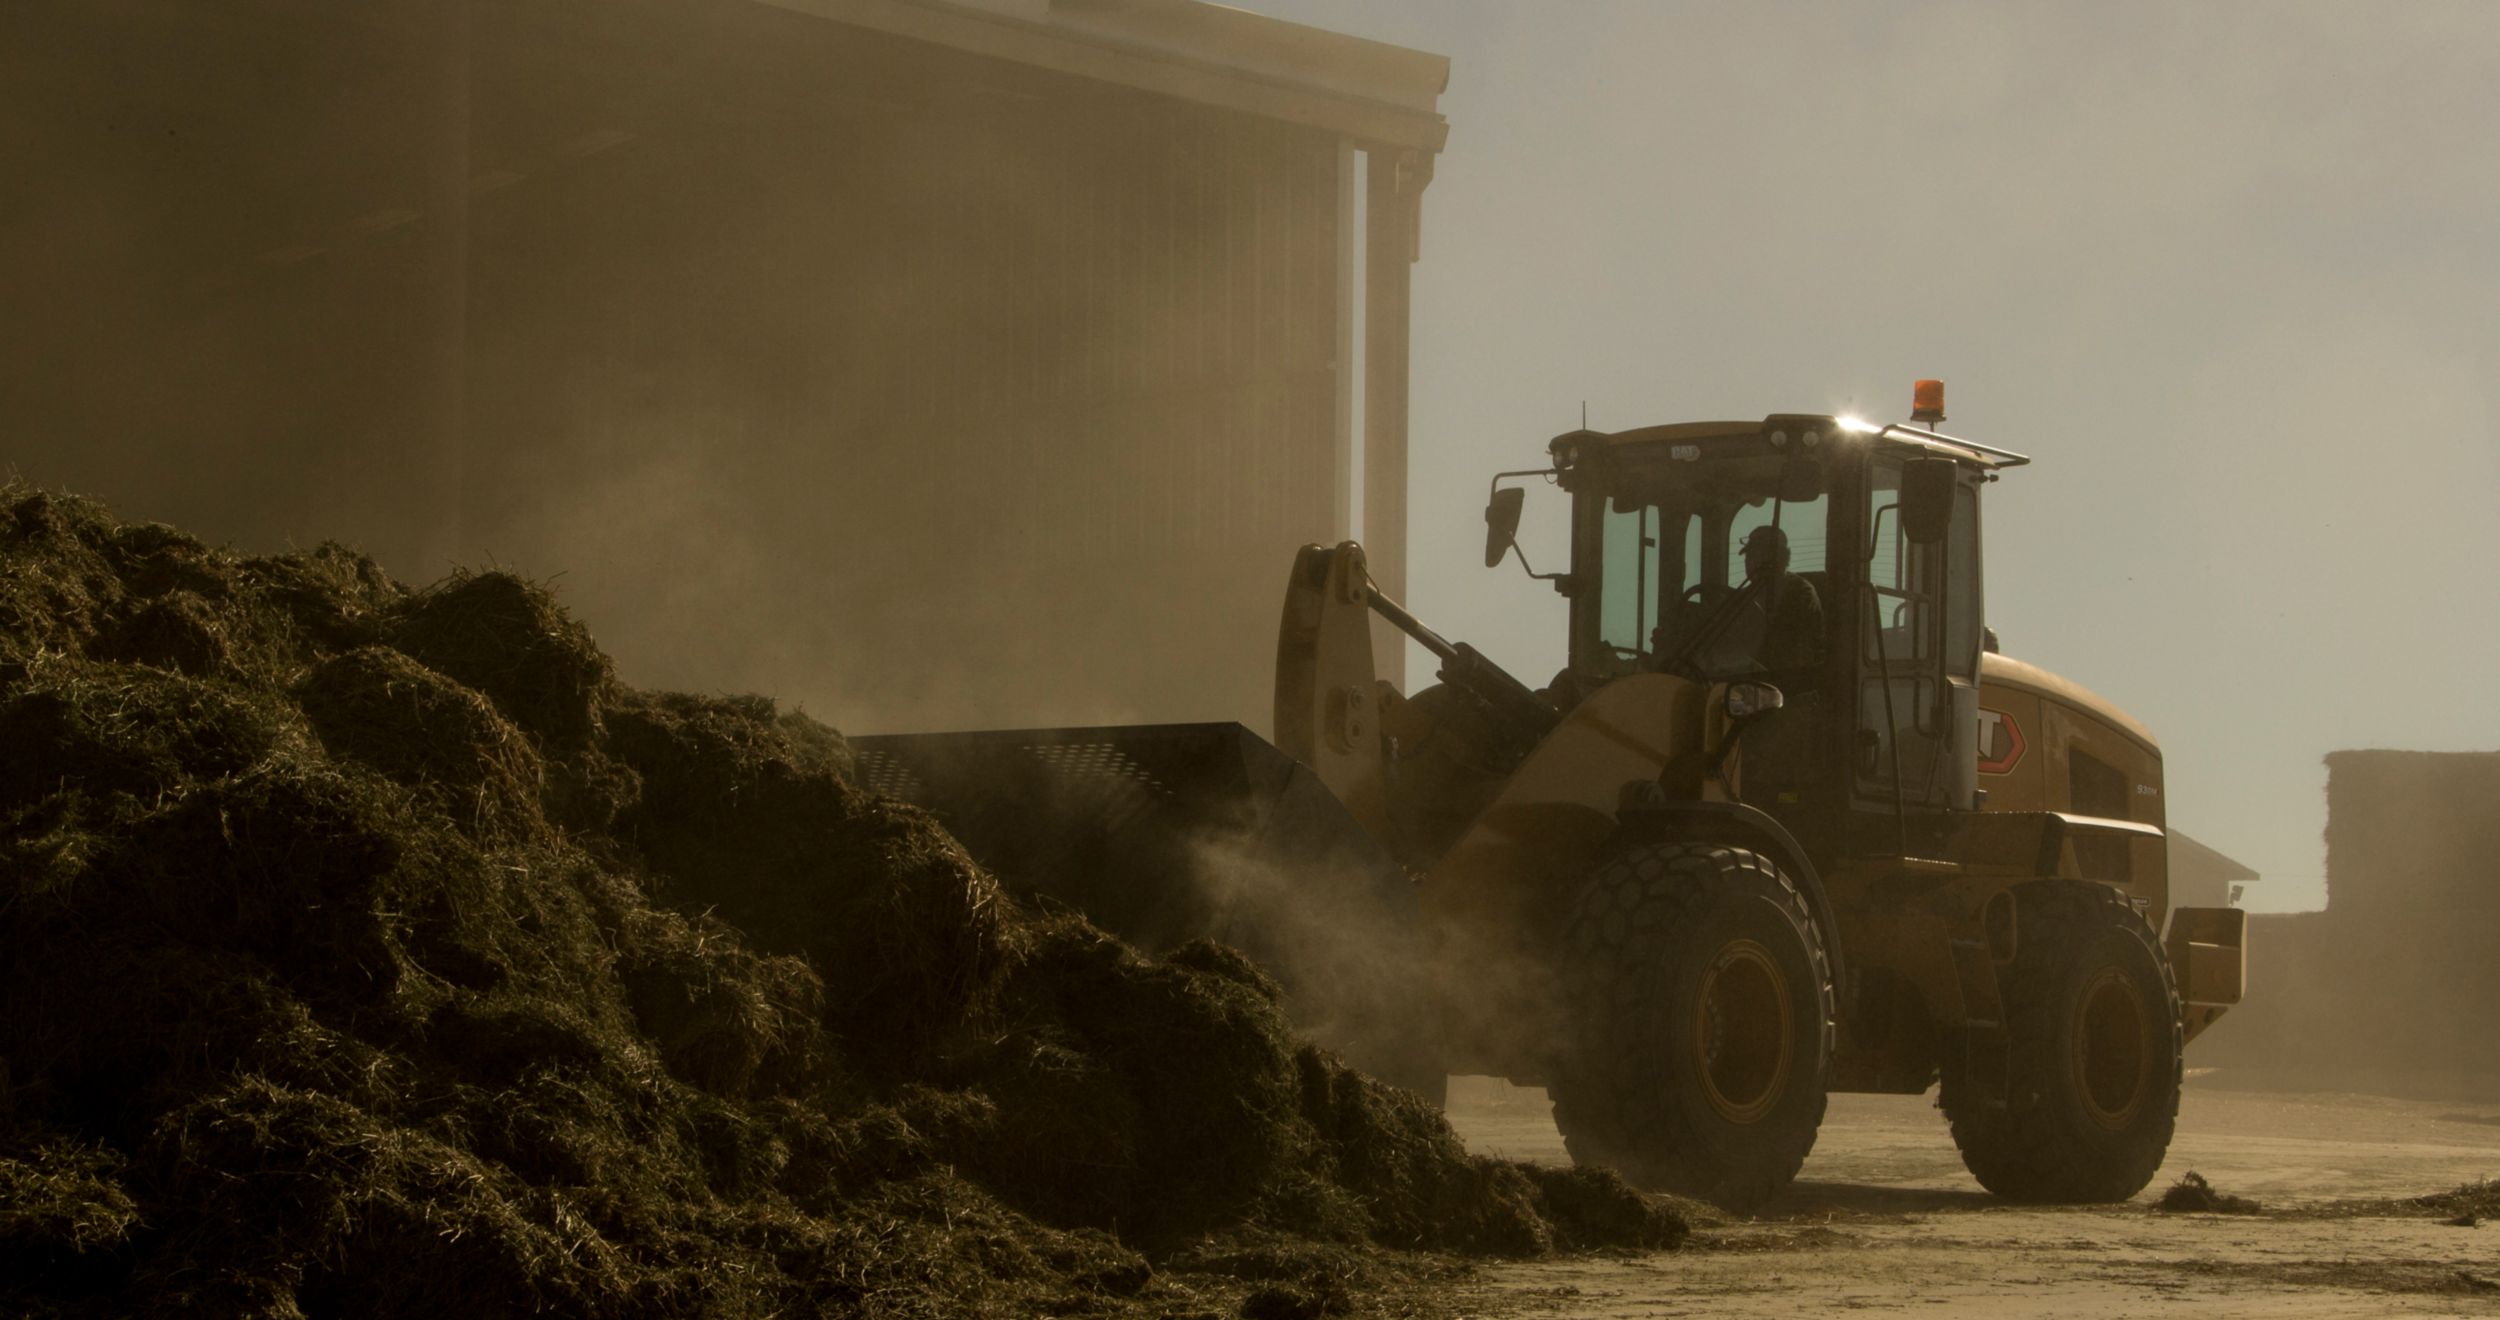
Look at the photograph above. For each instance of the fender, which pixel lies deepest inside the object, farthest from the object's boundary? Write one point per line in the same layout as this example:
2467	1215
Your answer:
1738	826
2037	843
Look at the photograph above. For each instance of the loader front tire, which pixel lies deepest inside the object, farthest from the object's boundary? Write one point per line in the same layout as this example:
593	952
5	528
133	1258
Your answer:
2092	1050
1700	1002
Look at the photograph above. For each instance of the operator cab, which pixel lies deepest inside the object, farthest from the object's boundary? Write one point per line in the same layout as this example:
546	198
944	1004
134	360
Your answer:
1871	632
1662	516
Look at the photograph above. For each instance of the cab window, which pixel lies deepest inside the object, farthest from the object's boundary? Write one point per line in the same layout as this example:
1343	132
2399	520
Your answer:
1900	575
1628	612
1802	523
1963	625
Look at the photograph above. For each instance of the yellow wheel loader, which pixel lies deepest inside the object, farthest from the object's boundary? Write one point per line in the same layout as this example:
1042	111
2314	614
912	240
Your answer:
1785	824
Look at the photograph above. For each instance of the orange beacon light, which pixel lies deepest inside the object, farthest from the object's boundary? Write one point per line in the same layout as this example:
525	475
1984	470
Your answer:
1927	401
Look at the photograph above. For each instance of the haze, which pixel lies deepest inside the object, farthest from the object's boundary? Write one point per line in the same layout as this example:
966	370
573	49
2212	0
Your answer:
2224	271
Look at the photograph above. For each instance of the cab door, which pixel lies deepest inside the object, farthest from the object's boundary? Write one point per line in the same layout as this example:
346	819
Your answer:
1917	653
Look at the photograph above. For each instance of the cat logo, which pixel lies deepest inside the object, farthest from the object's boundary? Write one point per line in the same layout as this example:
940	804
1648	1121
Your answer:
2000	743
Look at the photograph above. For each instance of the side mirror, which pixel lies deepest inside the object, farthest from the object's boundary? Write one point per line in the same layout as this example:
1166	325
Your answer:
1927	486
1501	523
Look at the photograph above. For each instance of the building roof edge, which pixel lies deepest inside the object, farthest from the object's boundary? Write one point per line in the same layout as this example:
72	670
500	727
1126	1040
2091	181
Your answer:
1374	93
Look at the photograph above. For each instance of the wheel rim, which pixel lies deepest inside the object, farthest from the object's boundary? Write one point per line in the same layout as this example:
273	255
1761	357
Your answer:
1742	1033
2112	1048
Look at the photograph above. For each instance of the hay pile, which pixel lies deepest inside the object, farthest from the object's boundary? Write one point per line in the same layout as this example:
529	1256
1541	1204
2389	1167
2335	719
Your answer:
2480	1199
2193	1195
373	950
2466	1207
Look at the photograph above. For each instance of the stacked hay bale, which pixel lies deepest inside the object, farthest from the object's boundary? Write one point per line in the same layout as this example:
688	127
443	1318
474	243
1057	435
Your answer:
373	950
2388	990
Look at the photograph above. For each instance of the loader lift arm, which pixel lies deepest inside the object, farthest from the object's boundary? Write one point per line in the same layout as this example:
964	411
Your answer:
1326	678
1523	717
1331	706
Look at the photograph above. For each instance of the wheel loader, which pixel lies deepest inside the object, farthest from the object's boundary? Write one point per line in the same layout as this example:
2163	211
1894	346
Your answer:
1786	823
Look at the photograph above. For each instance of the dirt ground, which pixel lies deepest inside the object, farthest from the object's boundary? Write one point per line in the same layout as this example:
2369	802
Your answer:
1885	1219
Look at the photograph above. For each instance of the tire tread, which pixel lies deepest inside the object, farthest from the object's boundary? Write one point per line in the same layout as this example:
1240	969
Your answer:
2023	1152
1600	1102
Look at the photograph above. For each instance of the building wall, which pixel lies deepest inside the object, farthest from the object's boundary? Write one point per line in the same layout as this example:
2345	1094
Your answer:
962	394
231	265
927	389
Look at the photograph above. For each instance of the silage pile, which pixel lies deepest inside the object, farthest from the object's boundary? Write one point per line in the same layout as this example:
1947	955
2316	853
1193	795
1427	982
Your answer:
367	950
2192	1194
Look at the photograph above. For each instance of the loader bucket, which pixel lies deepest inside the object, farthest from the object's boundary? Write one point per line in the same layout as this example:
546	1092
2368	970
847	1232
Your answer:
1164	833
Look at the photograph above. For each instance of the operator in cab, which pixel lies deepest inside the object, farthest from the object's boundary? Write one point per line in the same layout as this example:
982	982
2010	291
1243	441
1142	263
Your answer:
1770	627
1779	763
1791	648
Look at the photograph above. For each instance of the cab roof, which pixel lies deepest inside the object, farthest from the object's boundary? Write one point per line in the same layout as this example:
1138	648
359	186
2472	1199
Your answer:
1968	451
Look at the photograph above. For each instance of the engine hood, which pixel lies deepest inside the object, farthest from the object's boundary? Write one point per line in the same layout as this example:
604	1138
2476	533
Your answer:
2005	671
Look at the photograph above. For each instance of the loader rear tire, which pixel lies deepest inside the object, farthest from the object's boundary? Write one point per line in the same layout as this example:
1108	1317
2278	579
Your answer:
2093	1055
1700	1037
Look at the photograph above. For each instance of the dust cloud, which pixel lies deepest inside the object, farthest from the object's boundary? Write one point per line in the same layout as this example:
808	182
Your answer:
1341	938
1368	968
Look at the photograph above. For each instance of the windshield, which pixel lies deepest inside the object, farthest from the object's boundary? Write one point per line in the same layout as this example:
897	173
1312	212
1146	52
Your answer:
1707	570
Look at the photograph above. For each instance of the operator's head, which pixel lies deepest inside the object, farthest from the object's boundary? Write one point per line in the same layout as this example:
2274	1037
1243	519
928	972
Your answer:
1766	553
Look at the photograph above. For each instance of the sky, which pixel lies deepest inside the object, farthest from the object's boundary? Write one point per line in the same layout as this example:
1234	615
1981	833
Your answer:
2228	272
